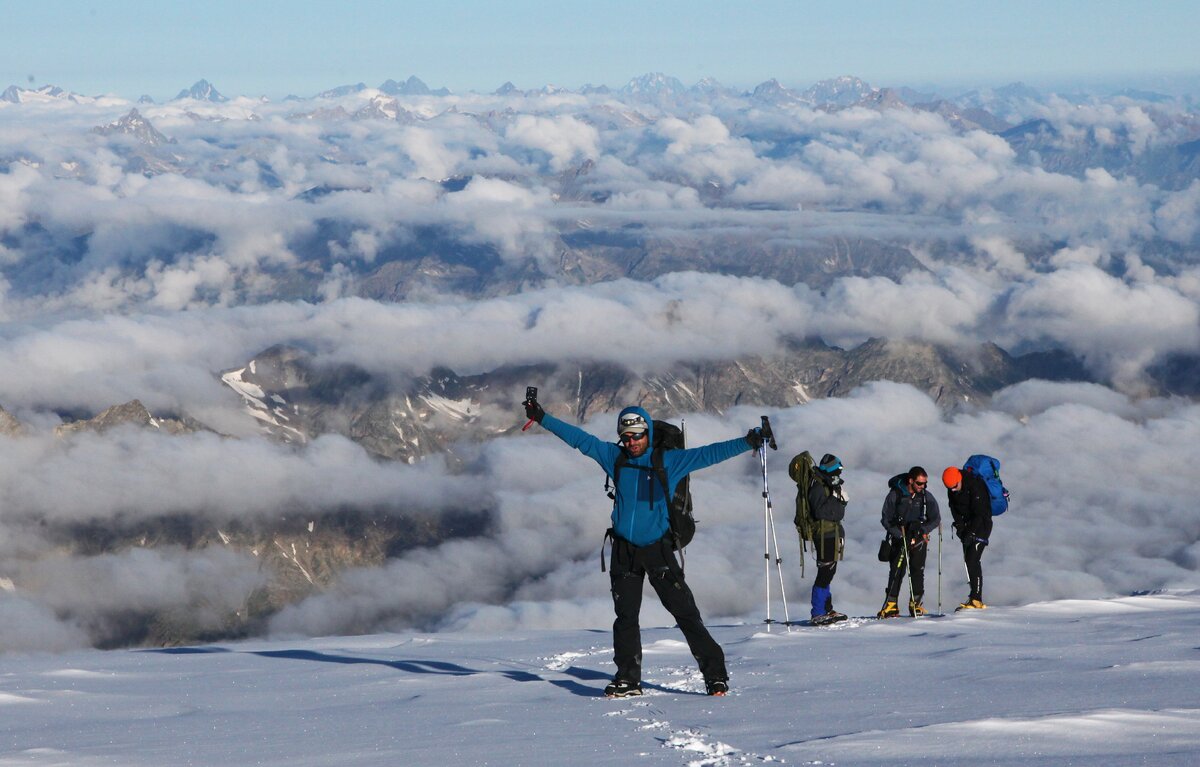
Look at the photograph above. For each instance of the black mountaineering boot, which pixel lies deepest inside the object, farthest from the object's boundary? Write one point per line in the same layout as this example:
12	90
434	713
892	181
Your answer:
619	688
716	686
833	616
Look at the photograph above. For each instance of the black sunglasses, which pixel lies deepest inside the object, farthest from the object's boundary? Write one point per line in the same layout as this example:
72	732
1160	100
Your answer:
631	437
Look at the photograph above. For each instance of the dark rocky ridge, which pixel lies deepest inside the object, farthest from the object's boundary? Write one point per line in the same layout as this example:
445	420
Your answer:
301	400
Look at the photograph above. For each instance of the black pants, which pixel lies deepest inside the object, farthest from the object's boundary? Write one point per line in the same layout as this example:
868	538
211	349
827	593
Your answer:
629	566
826	548
825	573
907	557
972	554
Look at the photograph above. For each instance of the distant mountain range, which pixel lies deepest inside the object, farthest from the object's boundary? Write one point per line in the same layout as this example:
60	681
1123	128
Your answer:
47	93
589	250
295	400
1006	106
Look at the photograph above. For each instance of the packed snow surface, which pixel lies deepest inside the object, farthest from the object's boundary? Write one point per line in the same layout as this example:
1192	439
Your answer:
1098	683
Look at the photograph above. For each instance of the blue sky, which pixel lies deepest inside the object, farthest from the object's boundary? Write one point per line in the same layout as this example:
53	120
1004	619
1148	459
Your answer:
273	48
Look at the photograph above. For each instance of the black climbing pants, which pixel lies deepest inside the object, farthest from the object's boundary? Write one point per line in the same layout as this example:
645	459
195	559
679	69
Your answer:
827	549
629	566
972	554
906	557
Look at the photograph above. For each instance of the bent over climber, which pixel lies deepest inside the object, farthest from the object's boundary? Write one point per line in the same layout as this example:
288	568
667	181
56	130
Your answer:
971	507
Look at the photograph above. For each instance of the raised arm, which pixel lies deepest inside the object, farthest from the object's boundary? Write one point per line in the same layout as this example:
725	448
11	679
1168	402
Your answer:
680	463
603	453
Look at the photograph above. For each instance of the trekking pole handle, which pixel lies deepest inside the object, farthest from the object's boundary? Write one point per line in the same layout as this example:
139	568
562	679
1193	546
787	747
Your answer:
767	434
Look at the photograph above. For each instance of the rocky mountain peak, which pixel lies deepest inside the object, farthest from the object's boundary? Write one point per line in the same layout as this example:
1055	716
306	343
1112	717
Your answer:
342	90
969	118
884	98
774	92
413	86
9	425
282	390
839	91
132	413
708	84
381	108
134	124
654	84
203	90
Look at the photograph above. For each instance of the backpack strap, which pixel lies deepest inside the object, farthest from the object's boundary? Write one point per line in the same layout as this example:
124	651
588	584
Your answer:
656	461
610	483
656	465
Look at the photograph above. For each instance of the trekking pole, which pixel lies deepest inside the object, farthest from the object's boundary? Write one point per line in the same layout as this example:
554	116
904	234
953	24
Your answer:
766	537
939	568
769	535
787	620
908	563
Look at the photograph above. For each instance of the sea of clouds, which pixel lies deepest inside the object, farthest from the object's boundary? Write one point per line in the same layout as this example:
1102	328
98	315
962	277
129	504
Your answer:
116	285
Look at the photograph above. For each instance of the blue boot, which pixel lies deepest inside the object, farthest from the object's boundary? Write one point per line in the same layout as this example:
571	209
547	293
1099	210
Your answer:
822	608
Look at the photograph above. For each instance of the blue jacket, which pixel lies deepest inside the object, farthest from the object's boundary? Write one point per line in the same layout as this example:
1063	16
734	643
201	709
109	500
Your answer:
639	512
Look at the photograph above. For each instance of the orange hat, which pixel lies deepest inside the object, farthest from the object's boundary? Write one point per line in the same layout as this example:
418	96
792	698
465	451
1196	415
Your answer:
951	477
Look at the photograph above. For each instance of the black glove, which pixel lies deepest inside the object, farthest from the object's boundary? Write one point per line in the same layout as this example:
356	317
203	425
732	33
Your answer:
754	438
918	542
533	411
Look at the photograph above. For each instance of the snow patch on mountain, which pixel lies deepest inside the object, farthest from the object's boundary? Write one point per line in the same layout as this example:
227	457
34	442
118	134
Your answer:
257	406
458	409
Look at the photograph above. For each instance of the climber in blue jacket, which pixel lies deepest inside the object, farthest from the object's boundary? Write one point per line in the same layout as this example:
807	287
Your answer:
641	544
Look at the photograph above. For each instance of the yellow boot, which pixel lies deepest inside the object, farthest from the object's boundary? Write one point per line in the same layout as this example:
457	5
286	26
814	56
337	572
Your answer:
971	604
916	609
889	610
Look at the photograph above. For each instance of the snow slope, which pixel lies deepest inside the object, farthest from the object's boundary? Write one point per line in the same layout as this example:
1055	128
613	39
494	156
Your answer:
1102	682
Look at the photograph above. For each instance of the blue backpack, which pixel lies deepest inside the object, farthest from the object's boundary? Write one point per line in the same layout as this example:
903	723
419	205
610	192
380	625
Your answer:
988	469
